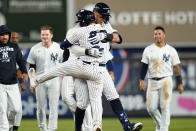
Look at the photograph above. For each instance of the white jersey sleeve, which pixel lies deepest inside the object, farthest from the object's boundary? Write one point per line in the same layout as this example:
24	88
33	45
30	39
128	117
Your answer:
73	35
109	28
145	56
31	56
175	57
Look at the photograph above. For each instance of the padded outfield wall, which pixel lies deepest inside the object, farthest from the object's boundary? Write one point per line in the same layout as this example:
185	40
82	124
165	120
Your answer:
127	69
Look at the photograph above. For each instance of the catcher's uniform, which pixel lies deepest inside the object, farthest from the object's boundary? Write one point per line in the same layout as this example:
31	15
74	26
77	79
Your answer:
160	70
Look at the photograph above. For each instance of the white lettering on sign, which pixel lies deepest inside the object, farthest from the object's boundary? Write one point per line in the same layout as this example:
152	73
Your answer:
125	18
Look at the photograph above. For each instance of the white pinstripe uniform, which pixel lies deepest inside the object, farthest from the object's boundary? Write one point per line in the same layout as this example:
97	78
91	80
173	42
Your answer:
45	59
109	89
67	93
79	69
160	65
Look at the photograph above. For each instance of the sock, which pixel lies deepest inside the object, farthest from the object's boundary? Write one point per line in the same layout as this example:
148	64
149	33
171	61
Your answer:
79	116
15	128
120	113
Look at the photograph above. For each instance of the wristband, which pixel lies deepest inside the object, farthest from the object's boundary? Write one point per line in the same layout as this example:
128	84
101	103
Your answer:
20	80
179	80
86	52
109	37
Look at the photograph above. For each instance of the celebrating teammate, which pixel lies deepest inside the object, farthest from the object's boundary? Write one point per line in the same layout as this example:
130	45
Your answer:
102	15
42	57
80	67
158	59
9	91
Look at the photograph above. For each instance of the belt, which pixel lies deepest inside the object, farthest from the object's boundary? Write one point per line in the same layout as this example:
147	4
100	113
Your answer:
93	63
157	79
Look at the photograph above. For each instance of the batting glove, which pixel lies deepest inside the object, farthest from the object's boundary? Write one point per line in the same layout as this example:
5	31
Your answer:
95	52
99	37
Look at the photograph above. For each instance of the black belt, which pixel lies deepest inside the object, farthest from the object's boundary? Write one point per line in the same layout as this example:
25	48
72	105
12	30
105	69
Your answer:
92	63
157	79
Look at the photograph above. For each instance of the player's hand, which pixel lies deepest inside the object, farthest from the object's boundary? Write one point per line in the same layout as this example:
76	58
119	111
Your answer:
98	37
142	85
112	75
32	90
95	52
22	87
180	88
25	77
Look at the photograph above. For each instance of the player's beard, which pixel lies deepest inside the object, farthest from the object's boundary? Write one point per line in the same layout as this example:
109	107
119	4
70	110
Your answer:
158	40
4	41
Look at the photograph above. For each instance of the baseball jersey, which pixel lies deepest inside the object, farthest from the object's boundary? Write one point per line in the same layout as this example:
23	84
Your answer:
80	36
160	60
45	58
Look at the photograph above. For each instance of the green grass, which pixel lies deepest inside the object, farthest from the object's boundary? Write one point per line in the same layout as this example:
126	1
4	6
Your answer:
112	124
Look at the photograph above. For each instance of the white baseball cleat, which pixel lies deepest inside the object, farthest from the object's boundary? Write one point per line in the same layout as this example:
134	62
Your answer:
137	126
96	128
32	77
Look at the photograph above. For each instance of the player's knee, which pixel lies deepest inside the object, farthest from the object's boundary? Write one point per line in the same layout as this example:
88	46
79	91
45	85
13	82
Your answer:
164	108
151	109
67	99
82	105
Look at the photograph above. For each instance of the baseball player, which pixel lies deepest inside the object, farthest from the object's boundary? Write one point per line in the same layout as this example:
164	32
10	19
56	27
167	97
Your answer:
43	56
9	91
158	60
102	14
84	67
17	121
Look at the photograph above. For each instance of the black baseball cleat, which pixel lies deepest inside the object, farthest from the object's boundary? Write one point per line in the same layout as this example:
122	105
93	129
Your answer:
136	126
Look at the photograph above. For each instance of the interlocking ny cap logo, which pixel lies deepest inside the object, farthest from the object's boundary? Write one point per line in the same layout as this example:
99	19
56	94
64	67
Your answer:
54	57
166	57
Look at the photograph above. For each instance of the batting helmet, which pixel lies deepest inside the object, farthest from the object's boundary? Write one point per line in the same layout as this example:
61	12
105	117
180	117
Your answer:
85	17
103	9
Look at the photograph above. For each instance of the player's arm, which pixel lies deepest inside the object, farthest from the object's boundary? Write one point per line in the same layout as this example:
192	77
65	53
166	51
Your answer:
20	79
110	68
110	37
116	38
143	73
21	63
177	73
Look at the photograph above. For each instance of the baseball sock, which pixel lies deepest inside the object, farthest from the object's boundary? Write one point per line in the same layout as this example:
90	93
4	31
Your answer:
79	116
15	128
119	111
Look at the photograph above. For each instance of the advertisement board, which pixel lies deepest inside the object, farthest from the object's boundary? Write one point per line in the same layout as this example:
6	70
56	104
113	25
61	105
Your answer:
136	19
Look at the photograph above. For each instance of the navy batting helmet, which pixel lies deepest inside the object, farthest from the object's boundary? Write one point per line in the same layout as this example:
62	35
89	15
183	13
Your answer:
85	17
103	9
